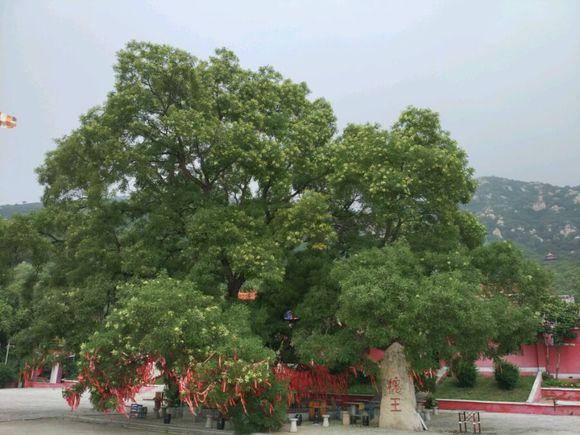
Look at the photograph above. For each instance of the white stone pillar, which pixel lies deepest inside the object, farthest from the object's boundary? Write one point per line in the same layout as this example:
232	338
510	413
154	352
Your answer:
398	401
325	422
56	373
293	425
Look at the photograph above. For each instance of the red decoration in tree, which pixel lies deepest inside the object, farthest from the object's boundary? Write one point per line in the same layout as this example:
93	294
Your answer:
248	296
30	373
310	381
195	386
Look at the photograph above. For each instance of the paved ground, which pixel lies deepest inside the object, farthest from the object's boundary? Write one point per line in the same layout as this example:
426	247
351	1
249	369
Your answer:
31	410
492	423
32	403
59	426
44	411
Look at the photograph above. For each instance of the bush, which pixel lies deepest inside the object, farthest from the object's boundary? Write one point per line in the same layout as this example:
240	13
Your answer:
431	402
171	393
7	375
506	375
465	372
259	418
426	383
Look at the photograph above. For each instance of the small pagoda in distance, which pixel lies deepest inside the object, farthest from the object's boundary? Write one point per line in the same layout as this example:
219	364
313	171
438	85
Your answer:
550	256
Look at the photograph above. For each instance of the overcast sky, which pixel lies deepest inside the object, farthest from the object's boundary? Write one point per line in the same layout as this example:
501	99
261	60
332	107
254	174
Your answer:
504	75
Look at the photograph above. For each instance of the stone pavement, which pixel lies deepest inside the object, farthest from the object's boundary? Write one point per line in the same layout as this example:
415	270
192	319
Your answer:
33	411
19	407
34	403
446	422
57	426
498	423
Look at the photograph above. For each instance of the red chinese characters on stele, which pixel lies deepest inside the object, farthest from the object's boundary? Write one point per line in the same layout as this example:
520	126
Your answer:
395	404
394	388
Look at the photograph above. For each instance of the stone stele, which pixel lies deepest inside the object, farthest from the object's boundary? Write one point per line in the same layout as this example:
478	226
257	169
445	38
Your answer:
398	402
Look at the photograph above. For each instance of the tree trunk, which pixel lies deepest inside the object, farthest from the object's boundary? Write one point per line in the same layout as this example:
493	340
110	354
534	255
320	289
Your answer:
234	286
548	358
235	281
398	403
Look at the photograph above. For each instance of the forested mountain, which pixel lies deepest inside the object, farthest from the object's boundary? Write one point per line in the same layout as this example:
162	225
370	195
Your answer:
8	210
539	218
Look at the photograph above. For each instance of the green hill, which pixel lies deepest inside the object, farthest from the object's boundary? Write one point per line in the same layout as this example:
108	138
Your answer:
539	218
9	210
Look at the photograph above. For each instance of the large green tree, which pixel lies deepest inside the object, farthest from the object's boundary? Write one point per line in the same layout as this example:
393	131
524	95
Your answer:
214	179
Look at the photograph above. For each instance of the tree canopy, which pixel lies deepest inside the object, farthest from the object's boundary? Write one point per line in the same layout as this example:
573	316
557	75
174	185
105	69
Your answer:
196	179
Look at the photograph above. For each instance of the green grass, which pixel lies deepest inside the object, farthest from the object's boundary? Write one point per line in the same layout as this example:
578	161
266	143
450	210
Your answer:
362	389
561	383
485	389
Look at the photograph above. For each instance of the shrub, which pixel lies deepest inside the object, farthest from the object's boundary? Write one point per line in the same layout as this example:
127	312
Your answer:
465	372
426	383
506	375
259	417
430	402
171	394
7	375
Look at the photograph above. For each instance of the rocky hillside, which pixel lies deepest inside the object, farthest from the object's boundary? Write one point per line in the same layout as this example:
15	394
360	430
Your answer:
539	217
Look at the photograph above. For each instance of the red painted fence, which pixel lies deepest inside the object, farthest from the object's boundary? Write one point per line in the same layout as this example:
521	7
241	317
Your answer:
572	394
510	407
